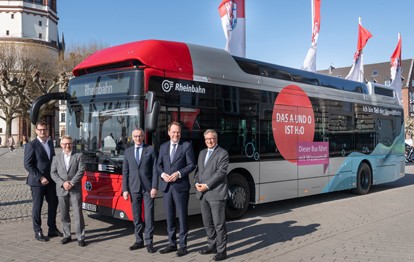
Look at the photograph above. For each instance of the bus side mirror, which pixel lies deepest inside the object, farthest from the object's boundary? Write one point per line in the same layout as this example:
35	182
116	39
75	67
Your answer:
152	112
35	108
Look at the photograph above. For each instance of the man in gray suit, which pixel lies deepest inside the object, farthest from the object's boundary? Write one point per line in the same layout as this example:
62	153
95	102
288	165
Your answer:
67	171
211	185
140	181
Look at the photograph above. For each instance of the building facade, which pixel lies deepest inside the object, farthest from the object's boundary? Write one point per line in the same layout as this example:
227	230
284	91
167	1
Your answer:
30	23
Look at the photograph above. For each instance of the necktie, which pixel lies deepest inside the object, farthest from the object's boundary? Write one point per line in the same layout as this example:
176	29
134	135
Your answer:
208	156
137	155
173	152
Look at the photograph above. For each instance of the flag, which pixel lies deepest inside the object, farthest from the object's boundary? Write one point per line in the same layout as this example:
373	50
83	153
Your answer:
310	60
396	81
234	26
357	71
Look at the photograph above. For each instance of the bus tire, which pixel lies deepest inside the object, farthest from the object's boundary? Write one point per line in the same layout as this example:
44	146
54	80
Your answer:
363	179
238	196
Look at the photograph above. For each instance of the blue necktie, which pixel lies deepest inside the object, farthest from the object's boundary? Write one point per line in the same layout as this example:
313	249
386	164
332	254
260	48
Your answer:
137	155
173	152
209	151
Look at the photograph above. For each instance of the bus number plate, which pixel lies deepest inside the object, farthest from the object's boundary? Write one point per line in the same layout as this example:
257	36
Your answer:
90	207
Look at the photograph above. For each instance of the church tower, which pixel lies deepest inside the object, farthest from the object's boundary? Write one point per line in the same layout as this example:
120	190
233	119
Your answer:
30	22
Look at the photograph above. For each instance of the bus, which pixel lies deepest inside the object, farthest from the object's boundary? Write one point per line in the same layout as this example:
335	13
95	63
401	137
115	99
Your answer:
289	133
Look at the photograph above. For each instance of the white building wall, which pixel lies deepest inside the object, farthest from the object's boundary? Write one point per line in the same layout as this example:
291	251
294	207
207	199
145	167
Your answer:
25	22
13	25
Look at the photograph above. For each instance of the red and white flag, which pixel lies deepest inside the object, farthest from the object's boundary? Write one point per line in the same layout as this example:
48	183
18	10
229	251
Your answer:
310	60
396	80
232	16
357	71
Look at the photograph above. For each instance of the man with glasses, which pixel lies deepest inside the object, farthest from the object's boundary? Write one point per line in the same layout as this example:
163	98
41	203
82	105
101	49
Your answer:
38	155
211	186
140	183
67	172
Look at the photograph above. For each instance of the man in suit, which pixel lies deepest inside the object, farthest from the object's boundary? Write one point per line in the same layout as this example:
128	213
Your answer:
211	186
176	161
140	182
67	171
38	155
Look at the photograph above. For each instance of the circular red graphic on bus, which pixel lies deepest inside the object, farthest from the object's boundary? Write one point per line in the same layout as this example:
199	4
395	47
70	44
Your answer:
292	121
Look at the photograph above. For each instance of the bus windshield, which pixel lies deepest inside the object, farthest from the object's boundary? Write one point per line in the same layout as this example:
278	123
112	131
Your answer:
104	130
102	112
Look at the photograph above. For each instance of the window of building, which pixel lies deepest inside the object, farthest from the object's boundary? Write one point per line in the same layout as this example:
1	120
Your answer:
40	23
12	16
62	102
62	117
7	32
40	35
39	1
374	73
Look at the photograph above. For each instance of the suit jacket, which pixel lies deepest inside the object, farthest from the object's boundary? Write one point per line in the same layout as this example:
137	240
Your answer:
213	174
144	174
74	174
36	161
184	161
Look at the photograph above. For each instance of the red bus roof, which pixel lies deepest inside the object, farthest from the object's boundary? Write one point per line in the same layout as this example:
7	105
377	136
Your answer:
159	54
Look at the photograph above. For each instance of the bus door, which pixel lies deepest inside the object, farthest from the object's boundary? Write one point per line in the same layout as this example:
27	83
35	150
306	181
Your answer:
313	172
388	168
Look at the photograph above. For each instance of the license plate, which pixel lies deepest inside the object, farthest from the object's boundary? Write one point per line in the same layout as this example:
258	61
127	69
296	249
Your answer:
90	207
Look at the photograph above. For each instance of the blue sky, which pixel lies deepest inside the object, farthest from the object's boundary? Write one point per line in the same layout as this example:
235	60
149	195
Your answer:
276	31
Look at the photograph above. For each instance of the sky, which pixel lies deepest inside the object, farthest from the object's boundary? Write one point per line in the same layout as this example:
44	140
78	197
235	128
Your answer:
277	31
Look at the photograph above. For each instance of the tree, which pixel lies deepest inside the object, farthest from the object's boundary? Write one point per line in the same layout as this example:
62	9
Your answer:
77	53
27	71
409	126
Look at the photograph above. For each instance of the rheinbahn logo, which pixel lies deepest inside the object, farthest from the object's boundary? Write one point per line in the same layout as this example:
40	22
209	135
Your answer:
167	85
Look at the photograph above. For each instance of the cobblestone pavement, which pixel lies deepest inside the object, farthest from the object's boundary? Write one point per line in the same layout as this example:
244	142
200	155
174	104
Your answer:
332	227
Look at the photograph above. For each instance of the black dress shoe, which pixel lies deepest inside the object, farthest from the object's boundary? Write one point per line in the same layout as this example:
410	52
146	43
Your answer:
39	236
181	252
220	256
151	249
208	250
65	240
55	233
81	243
168	249
136	246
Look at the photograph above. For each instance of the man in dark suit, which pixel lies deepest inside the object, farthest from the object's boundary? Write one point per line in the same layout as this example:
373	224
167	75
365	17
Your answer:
211	186
67	172
38	156
176	161
140	182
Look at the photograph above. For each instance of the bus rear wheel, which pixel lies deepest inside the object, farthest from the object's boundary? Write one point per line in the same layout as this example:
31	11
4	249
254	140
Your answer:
239	196
363	180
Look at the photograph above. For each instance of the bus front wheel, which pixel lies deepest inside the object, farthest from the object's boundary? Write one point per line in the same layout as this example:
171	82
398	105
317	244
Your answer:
363	180
238	196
